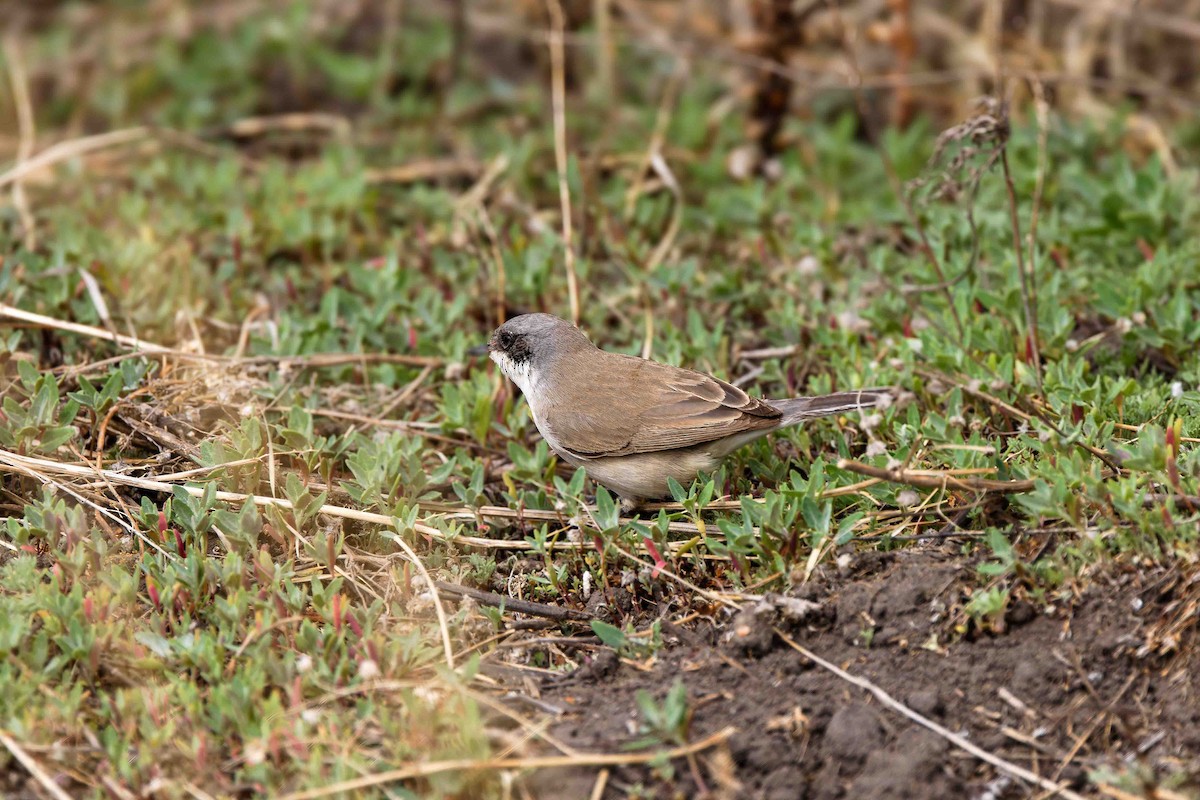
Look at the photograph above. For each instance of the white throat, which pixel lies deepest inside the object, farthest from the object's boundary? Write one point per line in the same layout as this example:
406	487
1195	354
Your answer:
521	373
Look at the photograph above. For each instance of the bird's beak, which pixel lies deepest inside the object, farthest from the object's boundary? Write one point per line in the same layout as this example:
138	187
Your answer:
480	349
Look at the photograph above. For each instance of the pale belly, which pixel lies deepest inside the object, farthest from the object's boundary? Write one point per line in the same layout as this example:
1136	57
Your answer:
643	476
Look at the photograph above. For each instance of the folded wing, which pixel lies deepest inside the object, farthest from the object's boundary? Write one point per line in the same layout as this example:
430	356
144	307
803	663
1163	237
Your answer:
645	406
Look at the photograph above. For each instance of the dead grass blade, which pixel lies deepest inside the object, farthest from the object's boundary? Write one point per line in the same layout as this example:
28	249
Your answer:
27	131
443	625
43	321
313	360
27	761
72	149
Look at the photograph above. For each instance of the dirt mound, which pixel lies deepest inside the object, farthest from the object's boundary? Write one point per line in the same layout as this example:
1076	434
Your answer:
1068	690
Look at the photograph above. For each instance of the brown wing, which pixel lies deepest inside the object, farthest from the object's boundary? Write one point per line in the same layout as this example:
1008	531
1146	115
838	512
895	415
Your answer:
643	406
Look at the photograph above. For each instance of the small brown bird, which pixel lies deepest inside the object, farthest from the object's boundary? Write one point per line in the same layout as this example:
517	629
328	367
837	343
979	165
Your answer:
633	423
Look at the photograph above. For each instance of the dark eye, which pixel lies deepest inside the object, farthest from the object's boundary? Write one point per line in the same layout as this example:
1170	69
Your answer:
504	338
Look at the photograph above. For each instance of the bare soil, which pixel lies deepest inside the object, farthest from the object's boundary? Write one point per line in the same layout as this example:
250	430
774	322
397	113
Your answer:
1105	679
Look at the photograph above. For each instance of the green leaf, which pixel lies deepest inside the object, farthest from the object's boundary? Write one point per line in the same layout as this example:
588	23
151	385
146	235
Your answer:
846	528
1000	545
28	373
158	645
53	438
611	635
608	516
817	515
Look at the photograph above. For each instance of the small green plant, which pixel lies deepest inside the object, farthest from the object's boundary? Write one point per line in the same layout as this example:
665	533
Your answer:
38	425
667	722
988	606
628	643
468	406
124	378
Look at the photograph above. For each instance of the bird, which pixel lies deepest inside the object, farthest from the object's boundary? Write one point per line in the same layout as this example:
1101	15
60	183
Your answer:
634	423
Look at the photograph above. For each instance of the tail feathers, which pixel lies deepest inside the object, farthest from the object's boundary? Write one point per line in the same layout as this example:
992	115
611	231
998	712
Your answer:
798	409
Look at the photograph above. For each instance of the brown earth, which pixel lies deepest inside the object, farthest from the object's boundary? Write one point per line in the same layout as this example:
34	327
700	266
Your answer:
1102	680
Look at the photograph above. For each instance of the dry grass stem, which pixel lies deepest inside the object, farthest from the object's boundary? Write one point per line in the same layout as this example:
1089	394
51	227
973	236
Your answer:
889	168
558	92
1033	346
430	169
31	765
64	151
42	320
311	360
443	625
27	132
